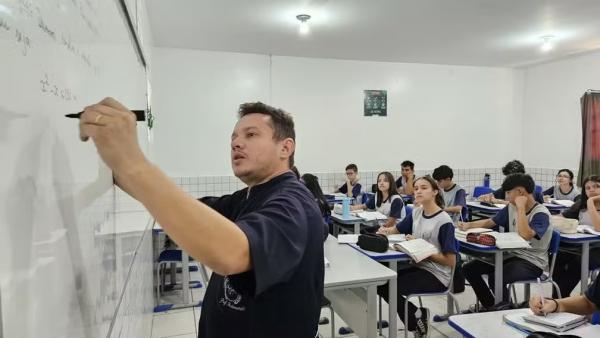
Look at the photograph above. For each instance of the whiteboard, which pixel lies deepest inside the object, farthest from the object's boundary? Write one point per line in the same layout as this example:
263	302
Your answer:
57	202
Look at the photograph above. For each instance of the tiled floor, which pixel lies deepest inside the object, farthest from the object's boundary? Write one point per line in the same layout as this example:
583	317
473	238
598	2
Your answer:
183	323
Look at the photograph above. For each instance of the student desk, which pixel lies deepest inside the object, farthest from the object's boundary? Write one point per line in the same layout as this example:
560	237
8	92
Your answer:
351	281
482	211
392	257
477	250
491	325
584	240
341	220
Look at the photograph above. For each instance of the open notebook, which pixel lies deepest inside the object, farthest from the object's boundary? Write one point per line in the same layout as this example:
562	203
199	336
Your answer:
509	240
370	215
462	234
557	322
418	249
587	229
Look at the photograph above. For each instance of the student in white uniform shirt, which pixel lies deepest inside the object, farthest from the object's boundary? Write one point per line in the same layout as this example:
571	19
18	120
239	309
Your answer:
385	200
564	188
455	196
430	222
567	269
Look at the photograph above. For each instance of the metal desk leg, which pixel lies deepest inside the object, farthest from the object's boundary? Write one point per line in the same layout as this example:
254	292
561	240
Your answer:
357	228
185	277
393	302
336	229
585	266
372	311
498	287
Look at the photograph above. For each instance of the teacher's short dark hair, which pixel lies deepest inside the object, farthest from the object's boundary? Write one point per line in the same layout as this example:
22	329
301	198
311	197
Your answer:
519	180
281	121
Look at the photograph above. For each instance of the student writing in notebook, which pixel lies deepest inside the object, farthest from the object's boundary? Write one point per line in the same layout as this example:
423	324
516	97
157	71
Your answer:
585	304
430	222
351	187
564	188
404	183
567	269
264	243
455	196
528	218
499	195
385	200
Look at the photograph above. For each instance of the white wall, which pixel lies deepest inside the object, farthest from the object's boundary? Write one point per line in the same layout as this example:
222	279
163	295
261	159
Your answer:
552	110
464	116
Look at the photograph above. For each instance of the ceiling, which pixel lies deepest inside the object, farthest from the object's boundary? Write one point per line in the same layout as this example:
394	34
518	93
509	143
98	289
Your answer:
496	33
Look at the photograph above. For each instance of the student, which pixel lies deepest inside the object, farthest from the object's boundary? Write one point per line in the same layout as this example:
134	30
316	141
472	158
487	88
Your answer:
312	183
581	304
263	242
567	269
351	188
385	200
430	222
499	196
455	197
564	189
528	218
405	182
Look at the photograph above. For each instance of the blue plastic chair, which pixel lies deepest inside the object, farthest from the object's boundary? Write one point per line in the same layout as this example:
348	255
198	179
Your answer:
596	318
481	190
546	277
538	189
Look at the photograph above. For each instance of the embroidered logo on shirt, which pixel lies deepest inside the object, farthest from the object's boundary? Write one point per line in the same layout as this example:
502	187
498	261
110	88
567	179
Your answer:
231	298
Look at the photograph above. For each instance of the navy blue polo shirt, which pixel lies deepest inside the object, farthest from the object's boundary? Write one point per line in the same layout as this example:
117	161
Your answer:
281	295
593	293
355	189
501	195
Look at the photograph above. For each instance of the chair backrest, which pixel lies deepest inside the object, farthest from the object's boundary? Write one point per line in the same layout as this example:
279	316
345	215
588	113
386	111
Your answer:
553	249
596	318
554	242
538	188
481	190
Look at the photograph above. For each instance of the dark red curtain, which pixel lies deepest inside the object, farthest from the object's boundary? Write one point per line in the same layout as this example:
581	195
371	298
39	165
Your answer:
590	132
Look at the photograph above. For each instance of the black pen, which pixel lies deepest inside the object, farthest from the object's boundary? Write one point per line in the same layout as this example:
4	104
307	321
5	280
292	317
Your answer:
140	115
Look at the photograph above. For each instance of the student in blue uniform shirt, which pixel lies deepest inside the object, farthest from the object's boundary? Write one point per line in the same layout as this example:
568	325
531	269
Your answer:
455	196
430	222
351	187
567	269
385	200
312	183
528	218
404	183
499	196
580	304
264	243
564	188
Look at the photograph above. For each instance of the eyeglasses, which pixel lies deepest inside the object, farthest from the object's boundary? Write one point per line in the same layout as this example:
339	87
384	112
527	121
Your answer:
565	176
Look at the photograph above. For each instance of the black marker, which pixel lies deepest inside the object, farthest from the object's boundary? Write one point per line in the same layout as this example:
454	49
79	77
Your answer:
140	115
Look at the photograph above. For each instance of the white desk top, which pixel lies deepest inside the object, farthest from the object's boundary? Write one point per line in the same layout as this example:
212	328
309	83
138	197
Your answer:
349	267
578	237
346	220
491	325
381	256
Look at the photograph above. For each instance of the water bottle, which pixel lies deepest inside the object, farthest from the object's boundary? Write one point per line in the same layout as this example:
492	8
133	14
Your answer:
486	180
346	207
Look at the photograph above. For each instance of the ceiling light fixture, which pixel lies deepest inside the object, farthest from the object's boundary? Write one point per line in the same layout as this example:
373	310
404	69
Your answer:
547	45
303	18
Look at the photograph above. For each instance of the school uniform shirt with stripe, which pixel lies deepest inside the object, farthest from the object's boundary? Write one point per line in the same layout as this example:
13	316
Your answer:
393	206
556	193
436	229
401	181
455	196
355	189
538	218
582	215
